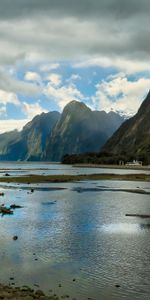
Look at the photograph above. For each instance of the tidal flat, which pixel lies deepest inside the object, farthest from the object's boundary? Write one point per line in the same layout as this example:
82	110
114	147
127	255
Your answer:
77	239
71	178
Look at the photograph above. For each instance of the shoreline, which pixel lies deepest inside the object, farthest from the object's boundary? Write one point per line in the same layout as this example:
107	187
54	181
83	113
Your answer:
72	178
101	166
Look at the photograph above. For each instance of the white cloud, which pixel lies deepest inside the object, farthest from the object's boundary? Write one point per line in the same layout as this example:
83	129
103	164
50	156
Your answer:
55	79
64	94
32	76
10	84
49	67
9	125
73	78
31	110
8	97
128	66
121	94
3	110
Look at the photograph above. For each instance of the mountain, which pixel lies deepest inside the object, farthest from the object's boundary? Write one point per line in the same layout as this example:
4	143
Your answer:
132	139
50	136
29	144
6	140
80	130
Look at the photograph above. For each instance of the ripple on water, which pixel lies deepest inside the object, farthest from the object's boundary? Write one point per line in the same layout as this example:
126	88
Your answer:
85	236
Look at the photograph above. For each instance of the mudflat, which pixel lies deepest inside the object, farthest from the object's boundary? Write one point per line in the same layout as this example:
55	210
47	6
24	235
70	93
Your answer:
70	178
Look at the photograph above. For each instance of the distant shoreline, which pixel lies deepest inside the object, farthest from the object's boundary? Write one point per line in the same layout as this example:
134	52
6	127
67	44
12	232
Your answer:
101	166
72	178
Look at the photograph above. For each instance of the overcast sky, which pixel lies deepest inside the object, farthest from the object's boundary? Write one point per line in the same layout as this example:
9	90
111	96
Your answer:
53	51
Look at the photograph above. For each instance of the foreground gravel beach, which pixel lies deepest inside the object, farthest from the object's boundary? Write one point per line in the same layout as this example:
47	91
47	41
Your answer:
26	293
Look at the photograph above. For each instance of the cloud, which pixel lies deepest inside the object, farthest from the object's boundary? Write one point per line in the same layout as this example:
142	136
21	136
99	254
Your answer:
31	110
55	79
13	85
9	125
127	66
32	76
44	36
48	30
121	94
63	94
73	78
8	97
49	67
78	8
3	110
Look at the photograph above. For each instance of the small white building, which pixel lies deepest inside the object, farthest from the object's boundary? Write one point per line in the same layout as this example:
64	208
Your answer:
134	163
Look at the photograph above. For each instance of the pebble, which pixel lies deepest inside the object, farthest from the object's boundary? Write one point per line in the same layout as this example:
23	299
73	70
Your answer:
15	237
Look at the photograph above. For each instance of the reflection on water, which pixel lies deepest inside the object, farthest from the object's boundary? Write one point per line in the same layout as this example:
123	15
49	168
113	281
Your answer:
65	235
128	228
145	226
122	228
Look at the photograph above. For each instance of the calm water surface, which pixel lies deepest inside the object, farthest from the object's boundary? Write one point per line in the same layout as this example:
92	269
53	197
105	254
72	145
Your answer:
41	168
78	231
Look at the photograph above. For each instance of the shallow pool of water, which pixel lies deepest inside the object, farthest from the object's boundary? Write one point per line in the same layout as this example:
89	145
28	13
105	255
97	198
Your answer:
75	239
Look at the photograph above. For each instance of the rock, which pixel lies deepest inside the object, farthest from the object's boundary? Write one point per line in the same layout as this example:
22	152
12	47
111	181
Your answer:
23	293
14	206
25	289
35	284
15	237
5	210
117	285
39	293
138	215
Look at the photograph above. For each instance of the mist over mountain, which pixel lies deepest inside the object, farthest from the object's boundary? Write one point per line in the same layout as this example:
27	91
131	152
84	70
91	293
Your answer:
50	136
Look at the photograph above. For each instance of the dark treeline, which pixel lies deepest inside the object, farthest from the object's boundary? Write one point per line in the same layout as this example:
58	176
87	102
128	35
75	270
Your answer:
104	158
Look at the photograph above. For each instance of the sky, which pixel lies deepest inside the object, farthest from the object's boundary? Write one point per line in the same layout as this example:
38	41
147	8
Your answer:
55	51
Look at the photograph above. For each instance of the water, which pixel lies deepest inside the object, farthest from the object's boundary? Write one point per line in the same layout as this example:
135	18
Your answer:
41	168
77	235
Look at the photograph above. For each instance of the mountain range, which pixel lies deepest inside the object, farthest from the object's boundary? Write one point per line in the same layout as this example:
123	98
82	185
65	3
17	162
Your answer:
131	141
80	130
28	144
51	135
